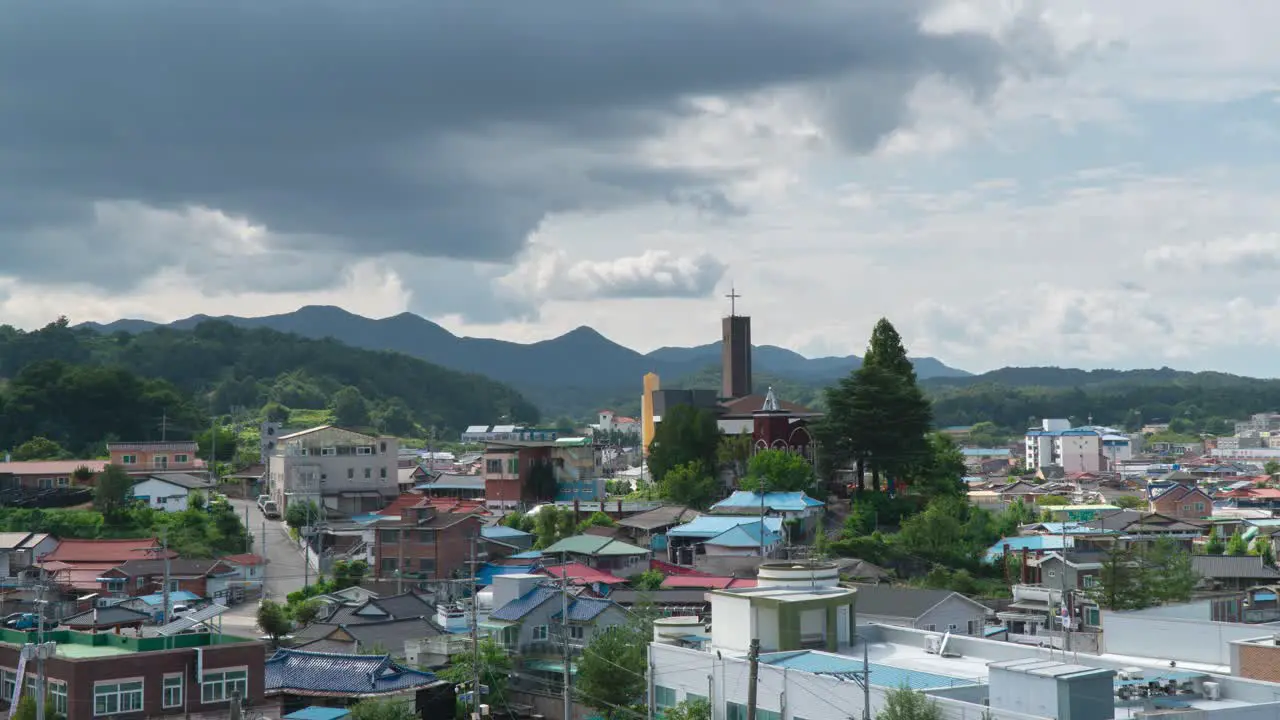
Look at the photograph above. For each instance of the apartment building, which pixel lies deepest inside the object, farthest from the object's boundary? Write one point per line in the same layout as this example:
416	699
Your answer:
347	471
1076	450
429	539
509	467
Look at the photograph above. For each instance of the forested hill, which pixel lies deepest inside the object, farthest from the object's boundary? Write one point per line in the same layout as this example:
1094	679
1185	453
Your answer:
76	385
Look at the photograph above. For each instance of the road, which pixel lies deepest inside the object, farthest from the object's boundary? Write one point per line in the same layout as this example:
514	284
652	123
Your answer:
284	569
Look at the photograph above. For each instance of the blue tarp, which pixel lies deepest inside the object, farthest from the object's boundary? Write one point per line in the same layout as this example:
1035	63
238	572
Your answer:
315	712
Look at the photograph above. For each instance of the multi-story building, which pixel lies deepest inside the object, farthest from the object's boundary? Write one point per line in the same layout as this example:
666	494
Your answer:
95	675
429	539
175	455
511	433
347	471
510	469
1259	424
1076	450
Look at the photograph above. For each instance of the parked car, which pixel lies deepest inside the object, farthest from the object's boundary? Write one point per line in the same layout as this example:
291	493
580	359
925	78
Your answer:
29	621
262	499
270	510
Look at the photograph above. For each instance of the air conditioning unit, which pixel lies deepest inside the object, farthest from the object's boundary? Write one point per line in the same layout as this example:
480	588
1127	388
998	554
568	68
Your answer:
1130	673
932	644
1212	691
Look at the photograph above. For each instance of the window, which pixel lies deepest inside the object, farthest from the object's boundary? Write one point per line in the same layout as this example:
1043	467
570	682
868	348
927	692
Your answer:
7	681
329	451
1199	507
576	632
737	711
129	459
181	459
388	565
1052	573
364	450
493	467
368	473
171	694
173	586
58	690
540	632
221	685
351	473
64	482
114	585
160	461
426	536
427	565
664	697
973	627
382	473
139	582
930	628
953	627
513	466
46	483
389	537
383	447
1089	581
113	697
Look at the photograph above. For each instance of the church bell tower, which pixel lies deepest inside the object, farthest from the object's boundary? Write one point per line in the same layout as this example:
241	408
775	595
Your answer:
735	351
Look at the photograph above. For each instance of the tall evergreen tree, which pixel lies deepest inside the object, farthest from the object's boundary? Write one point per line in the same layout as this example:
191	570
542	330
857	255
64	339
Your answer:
885	350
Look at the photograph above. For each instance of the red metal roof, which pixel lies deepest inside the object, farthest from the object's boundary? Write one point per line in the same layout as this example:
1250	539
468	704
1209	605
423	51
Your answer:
79	552
401	503
581	574
245	559
51	467
709	582
454	505
667	568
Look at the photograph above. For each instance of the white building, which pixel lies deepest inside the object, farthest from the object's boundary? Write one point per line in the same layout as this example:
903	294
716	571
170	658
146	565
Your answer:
170	492
346	471
1084	449
607	421
812	666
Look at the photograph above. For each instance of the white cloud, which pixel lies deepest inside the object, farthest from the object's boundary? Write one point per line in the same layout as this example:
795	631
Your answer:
1253	253
554	275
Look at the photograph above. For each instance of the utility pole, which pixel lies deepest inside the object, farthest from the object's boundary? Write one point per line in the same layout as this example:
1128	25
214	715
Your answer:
164	548
564	632
40	653
400	561
753	655
213	450
262	544
475	636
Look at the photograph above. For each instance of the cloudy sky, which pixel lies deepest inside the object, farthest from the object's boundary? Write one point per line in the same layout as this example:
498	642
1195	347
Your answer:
1076	182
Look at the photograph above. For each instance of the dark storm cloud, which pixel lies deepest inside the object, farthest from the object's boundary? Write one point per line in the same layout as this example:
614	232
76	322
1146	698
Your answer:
439	128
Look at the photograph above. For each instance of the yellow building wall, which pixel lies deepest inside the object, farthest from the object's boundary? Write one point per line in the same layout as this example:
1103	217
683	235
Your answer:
651	385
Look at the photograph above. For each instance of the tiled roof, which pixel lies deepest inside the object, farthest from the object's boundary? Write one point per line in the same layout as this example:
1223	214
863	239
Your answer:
181	567
245	559
585	609
594	545
391	634
182	480
525	604
97	551
298	672
659	517
399	607
709	526
776	501
581	574
105	617
1232	566
901	602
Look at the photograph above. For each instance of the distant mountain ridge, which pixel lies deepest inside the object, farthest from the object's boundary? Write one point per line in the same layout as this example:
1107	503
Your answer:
562	374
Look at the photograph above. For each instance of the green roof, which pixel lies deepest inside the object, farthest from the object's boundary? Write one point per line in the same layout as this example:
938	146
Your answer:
73	644
593	545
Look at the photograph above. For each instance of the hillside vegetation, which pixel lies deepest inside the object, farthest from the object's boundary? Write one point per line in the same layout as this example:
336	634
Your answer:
80	387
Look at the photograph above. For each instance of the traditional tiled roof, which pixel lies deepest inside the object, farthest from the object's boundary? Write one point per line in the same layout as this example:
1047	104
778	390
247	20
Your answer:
585	609
318	674
525	604
399	607
1217	567
659	517
594	545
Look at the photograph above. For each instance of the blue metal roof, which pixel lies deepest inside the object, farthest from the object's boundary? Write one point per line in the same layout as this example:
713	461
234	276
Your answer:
745	536
777	501
340	674
709	526
497	532
527	555
179	596
585	609
315	712
523	605
1030	542
881	675
486	572
985	452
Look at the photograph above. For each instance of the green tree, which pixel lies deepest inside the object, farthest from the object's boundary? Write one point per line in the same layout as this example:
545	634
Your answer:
1214	546
350	409
1236	544
301	513
305	612
348	573
1272	467
275	412
648	580
1129	502
1051	501
227	444
384	709
596	519
906	704
1120	582
690	484
686	434
1167	572
695	709
273	620
778	471
1262	547
112	492
82	475
611	673
495	670
547	526
39	448
734	453
941	471
395	418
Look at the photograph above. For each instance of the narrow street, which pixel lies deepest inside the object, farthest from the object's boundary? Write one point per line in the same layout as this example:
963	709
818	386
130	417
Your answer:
284	570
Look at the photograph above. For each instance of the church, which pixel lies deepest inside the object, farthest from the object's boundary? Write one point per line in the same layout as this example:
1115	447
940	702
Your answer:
772	423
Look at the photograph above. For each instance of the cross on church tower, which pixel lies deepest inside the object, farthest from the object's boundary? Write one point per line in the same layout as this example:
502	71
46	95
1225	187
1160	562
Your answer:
733	305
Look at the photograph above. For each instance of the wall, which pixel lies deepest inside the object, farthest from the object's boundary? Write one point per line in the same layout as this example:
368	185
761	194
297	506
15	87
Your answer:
1166	633
162	495
955	611
734	624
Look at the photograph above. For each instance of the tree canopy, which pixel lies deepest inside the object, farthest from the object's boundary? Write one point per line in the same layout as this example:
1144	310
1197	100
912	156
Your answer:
690	484
778	471
611	673
1145	574
686	434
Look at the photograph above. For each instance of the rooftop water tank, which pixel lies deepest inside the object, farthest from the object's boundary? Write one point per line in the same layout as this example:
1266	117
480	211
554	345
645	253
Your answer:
799	574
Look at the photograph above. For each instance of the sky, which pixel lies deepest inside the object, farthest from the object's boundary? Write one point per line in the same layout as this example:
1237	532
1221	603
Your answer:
1083	183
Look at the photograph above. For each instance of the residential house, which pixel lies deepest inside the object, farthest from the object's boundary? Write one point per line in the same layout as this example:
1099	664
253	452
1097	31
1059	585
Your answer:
686	541
529	619
922	609
430	540
100	674
405	606
348	471
1183	502
1253	497
1073	569
786	505
507	469
170	492
202	578
20	550
45	474
646	528
447	485
1135	525
247	566
507	539
577	464
599	582
392	637
602	553
296	678
148	457
745	540
77	564
1233	572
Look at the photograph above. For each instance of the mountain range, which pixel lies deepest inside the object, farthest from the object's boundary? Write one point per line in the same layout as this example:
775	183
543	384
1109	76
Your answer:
566	374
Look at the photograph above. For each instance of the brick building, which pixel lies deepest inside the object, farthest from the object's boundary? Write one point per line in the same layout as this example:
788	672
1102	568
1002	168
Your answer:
428	539
177	455
106	674
1183	502
507	467
135	578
